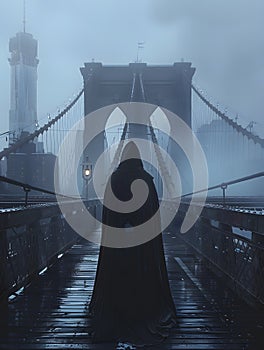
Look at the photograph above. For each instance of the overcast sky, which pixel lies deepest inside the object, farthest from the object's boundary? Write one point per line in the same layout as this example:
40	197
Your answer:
223	39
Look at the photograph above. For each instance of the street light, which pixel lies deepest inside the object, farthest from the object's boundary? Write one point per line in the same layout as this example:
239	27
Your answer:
86	172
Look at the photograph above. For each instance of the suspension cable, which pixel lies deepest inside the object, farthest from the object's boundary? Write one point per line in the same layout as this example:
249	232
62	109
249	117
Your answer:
46	127
256	139
124	132
162	164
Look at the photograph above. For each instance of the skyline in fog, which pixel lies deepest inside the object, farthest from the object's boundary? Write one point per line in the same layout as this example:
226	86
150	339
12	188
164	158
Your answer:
223	41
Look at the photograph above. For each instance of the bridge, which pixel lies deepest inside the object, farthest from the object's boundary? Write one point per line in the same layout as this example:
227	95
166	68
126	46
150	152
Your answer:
215	265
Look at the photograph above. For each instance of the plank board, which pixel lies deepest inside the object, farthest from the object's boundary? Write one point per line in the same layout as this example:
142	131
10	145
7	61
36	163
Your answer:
51	313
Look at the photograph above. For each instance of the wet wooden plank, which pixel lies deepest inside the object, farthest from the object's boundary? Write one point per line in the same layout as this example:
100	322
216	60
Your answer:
51	313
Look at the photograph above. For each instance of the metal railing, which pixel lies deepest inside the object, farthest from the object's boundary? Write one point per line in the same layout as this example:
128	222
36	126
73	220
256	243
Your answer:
30	241
33	237
232	241
239	260
224	186
27	188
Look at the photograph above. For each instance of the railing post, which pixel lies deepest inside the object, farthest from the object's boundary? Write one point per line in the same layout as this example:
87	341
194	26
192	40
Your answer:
224	187
27	190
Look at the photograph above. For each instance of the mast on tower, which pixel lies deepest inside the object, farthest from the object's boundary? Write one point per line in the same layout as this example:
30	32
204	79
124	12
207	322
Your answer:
24	16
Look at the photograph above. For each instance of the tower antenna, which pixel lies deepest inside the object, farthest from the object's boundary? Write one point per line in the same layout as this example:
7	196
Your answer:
24	17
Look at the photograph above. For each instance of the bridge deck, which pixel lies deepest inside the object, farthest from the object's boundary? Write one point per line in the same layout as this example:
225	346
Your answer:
51	312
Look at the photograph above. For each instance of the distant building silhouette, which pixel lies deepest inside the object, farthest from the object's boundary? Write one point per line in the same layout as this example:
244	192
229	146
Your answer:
29	164
230	155
23	102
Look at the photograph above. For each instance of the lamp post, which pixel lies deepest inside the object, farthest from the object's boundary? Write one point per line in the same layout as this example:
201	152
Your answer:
86	172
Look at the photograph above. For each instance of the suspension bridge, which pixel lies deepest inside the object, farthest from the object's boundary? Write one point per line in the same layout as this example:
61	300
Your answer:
215	269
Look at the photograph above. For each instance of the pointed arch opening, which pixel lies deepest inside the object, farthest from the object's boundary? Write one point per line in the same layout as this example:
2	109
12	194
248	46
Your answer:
113	131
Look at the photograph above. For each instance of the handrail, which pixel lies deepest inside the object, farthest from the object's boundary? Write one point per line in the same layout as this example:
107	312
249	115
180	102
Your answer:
27	188
224	185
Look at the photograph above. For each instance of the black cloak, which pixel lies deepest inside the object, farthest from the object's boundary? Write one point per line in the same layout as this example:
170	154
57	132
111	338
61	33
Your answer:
131	299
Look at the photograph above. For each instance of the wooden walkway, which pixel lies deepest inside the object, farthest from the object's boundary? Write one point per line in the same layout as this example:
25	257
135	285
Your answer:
51	313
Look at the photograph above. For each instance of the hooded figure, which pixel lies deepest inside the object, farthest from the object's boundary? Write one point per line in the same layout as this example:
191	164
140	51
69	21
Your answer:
131	299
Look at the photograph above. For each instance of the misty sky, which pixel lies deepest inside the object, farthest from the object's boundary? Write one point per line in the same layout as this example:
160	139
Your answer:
223	39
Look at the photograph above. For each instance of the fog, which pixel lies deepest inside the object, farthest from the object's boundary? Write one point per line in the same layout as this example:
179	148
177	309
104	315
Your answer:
224	41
